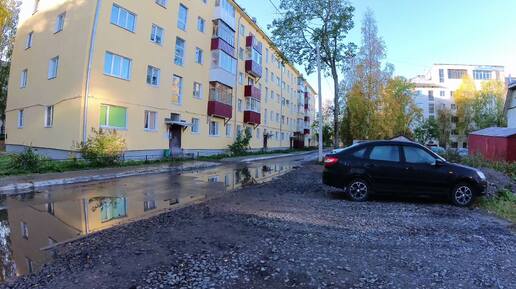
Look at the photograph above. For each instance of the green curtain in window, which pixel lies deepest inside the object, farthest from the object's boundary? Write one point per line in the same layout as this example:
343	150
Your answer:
103	113
117	116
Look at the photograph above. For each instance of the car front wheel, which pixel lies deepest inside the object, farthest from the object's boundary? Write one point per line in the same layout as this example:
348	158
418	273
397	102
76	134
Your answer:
462	195
358	190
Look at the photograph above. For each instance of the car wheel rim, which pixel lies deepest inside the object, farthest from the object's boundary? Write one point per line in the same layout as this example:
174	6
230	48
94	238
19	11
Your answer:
463	195
358	190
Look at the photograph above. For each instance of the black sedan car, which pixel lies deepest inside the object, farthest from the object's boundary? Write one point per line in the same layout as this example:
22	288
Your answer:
400	167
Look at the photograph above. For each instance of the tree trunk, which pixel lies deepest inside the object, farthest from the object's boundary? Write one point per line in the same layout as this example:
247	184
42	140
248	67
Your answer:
336	108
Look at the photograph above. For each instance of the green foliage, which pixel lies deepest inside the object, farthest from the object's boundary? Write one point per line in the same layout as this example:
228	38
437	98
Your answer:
103	148
306	24
477	161
444	124
503	205
28	160
241	144
426	131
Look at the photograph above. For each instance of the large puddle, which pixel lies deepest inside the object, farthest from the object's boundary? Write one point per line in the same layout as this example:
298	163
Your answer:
31	224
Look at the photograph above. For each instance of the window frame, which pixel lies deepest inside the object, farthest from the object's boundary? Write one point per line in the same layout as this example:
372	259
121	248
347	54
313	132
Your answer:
53	63
179	60
60	22
372	147
198	126
47	114
182	25
217	129
122	58
155	73
107	125
129	13
157	30
147	114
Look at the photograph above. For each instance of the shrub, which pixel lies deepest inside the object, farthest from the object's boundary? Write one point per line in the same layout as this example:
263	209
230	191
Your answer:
241	144
27	161
503	205
103	148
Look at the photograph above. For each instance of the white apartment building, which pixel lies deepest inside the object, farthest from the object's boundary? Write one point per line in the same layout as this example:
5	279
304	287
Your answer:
435	88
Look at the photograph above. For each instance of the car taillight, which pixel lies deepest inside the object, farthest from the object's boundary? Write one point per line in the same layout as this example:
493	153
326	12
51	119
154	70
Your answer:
330	161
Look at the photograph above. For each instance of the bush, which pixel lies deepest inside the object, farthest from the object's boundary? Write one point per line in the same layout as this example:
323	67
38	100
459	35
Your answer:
477	161
27	161
241	144
503	205
103	148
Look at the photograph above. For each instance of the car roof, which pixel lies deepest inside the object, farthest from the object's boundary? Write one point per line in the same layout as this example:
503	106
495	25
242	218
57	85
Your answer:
390	142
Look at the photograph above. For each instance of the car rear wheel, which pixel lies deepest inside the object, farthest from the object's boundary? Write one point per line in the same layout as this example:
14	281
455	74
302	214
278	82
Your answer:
358	190
462	195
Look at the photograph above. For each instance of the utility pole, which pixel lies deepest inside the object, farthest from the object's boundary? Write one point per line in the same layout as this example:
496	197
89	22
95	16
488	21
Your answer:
320	102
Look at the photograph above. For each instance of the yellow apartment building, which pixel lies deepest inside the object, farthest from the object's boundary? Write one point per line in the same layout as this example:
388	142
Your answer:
170	76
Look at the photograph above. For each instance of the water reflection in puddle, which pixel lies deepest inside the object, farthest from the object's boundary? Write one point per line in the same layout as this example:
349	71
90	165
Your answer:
31	224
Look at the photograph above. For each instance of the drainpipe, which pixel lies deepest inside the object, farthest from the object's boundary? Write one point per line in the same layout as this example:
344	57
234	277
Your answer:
88	72
237	49
281	102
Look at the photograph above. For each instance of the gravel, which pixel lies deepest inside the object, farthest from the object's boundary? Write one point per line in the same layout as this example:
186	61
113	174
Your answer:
293	233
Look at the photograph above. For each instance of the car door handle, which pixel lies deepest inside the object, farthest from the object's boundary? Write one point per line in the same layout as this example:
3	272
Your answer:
409	168
368	166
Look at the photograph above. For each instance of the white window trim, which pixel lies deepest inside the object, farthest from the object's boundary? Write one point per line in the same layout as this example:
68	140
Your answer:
155	27
117	76
46	125
129	12
209	129
156	127
107	118
55	71
153	70
24	78
21	118
198	126
200	90
59	26
29	40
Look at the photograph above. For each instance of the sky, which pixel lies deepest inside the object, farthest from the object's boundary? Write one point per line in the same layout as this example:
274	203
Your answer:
419	33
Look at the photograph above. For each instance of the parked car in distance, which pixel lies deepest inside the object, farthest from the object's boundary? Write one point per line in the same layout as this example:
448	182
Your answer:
402	168
438	150
463	152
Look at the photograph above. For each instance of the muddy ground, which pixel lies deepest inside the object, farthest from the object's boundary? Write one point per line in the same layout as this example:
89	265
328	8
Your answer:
293	233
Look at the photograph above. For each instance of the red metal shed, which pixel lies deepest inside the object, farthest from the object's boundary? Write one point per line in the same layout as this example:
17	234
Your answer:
494	143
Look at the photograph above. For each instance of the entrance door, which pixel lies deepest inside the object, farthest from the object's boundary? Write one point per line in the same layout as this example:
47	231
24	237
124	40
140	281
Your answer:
175	139
265	138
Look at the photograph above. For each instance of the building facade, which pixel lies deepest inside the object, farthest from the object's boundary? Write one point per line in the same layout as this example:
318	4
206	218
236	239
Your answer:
169	76
510	105
435	89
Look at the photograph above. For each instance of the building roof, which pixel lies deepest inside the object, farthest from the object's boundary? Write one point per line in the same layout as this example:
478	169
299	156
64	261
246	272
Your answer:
496	132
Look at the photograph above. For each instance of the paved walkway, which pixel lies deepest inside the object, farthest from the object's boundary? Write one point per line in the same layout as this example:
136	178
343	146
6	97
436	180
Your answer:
25	183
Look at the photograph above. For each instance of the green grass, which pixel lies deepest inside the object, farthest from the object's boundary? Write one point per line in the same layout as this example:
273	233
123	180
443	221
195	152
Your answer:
503	205
508	168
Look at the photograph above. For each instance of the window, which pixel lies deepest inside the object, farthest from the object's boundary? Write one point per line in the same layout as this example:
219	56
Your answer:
20	118
441	75
239	105
223	60
53	65
49	116
197	90
265	116
149	205
430	95
431	108
266	75
442	93
177	89
214	128
28	41
24	78
221	93
60	21
24	230
241	78
199	56
162	3
453	106
266	55
385	153
123	18
241	53
117	66
224	32
182	17
201	24
30	265
229	130
156	34
112	209
180	52
414	155
360	153
153	76
456	73
195	125
150	120
251	104
482	74
242	30
113	117
258	133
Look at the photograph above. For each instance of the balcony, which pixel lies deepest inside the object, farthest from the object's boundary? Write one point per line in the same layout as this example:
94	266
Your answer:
306	106
218	43
253	68
252	91
307	118
252	42
252	117
219	109
307	131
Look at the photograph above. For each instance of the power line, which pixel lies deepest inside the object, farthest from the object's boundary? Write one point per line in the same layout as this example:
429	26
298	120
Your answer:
275	7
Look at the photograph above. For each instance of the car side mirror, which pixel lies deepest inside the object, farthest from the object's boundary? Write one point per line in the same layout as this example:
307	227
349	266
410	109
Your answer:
439	163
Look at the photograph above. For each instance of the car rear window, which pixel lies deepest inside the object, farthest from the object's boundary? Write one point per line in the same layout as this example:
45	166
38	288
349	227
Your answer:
359	153
385	153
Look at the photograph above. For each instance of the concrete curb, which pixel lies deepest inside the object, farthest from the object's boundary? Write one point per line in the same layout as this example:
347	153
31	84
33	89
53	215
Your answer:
275	157
25	187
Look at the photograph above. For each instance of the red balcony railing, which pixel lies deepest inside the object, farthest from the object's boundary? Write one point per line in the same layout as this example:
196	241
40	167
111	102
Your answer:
307	131
219	109
251	41
253	68
218	43
252	117
252	91
306	106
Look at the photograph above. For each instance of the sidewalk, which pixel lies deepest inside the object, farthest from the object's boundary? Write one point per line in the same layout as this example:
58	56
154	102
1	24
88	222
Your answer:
247	159
27	183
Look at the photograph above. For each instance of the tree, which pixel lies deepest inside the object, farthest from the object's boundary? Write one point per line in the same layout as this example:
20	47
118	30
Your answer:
398	111
488	105
366	77
426	131
304	24
444	123
327	111
9	11
464	98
